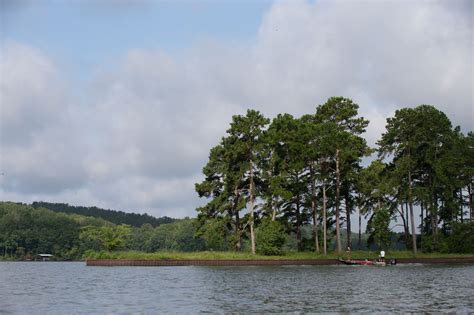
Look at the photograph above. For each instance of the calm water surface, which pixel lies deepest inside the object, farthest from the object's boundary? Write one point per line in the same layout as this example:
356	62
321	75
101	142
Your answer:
66	287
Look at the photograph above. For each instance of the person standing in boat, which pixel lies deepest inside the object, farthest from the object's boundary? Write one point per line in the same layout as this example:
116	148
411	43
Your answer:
382	255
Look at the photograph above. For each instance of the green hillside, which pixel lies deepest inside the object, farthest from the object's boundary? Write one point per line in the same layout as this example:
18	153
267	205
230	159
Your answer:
116	217
27	230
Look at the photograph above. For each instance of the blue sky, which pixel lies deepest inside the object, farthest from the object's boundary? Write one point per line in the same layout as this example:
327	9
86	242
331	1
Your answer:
89	33
117	103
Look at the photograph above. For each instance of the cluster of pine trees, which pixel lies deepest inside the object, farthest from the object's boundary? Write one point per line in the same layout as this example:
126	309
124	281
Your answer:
268	178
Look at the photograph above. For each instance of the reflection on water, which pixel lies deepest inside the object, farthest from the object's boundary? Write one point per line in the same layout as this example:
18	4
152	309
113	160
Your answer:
59	288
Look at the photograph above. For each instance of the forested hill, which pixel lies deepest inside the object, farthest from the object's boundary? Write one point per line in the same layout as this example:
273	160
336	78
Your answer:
26	231
114	216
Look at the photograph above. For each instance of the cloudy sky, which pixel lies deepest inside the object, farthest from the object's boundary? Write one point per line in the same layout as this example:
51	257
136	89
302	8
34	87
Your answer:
117	103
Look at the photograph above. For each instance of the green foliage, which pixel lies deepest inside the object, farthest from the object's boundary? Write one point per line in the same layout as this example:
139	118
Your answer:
177	236
107	237
423	161
233	177
26	231
434	244
117	217
215	234
140	237
462	238
378	227
270	237
428	165
231	255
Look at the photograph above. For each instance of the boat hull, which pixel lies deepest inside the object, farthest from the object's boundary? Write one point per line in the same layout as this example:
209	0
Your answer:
366	262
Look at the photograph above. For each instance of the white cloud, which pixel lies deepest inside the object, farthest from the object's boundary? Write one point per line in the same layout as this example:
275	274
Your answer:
140	139
393	53
40	150
31	94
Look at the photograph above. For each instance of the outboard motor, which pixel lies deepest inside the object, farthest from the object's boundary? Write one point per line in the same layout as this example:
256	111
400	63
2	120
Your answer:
393	261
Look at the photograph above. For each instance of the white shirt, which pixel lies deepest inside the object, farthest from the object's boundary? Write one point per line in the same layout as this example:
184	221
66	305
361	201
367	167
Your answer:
382	254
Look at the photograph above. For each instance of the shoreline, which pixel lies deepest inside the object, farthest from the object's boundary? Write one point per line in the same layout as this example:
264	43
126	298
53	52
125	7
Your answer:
258	262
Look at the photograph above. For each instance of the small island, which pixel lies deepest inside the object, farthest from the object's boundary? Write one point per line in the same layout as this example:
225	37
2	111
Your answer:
285	191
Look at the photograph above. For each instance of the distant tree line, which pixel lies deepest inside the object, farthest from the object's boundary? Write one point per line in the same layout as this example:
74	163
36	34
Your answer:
26	231
117	217
266	180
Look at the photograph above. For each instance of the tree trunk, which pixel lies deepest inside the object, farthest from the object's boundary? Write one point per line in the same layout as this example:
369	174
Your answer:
238	234
405	223
313	210
324	221
274	213
338	183
407	216
315	232
251	201
360	230
471	201
298	224
422	224
348	221
238	244
422	209
413	230
272	207
434	219
436	216
461	205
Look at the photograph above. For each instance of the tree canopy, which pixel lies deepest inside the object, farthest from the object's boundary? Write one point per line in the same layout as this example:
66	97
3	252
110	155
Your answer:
308	171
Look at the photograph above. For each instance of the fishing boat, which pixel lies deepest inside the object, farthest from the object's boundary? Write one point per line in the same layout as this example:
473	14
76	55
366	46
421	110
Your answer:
366	262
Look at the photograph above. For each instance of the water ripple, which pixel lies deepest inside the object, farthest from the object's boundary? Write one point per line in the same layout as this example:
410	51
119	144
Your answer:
73	288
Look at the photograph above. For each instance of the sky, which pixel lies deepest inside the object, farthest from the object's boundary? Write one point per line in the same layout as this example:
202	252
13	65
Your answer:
116	104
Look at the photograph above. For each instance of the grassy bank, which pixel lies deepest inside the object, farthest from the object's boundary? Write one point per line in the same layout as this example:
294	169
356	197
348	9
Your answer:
208	255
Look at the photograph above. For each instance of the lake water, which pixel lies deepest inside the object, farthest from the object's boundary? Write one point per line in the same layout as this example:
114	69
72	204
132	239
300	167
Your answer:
71	287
